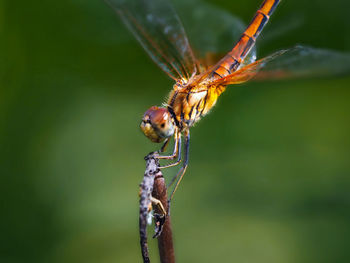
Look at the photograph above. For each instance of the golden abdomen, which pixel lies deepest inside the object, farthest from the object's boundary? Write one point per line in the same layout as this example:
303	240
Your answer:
190	106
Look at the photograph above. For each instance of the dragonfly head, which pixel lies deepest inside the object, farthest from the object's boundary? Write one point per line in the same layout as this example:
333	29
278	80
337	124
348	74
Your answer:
157	124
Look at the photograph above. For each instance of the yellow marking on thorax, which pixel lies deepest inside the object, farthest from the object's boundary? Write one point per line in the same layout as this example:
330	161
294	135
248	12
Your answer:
189	106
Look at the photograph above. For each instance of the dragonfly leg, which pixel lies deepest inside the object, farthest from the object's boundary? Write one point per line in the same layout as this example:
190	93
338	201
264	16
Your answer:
177	152
182	171
164	146
177	139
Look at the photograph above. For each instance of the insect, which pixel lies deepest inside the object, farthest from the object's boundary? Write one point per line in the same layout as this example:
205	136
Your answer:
199	78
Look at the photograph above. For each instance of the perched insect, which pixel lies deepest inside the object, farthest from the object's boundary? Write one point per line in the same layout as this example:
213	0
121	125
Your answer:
199	79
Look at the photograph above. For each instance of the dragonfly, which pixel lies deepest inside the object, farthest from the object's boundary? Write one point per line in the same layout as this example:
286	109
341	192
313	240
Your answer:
202	74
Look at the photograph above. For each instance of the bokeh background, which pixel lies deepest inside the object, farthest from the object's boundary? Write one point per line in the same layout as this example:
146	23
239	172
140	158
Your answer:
269	173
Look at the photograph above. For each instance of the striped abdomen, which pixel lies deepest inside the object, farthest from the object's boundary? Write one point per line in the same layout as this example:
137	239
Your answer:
235	57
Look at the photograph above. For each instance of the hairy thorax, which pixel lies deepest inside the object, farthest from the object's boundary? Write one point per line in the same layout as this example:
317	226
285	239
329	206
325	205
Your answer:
189	104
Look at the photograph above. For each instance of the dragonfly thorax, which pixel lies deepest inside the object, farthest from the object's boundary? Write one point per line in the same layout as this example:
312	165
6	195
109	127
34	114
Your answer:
157	124
190	104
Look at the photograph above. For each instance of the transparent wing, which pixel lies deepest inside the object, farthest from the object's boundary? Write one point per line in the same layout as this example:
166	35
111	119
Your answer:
157	27
211	31
304	61
297	62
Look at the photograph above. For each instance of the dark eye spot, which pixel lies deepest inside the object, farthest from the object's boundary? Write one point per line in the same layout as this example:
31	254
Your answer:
162	125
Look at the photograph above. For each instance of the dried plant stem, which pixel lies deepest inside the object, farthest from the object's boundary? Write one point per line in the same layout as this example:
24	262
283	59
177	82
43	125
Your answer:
153	185
146	189
165	240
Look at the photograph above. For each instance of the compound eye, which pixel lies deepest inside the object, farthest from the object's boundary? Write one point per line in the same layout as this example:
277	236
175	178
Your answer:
157	124
158	116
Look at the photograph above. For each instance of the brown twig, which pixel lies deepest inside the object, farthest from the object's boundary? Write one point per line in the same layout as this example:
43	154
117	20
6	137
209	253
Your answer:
165	240
153	186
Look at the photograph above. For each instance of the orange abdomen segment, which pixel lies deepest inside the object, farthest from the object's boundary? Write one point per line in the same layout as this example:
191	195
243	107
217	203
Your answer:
234	58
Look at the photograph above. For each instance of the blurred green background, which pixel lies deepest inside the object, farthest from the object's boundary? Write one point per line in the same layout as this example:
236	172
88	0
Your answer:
269	173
